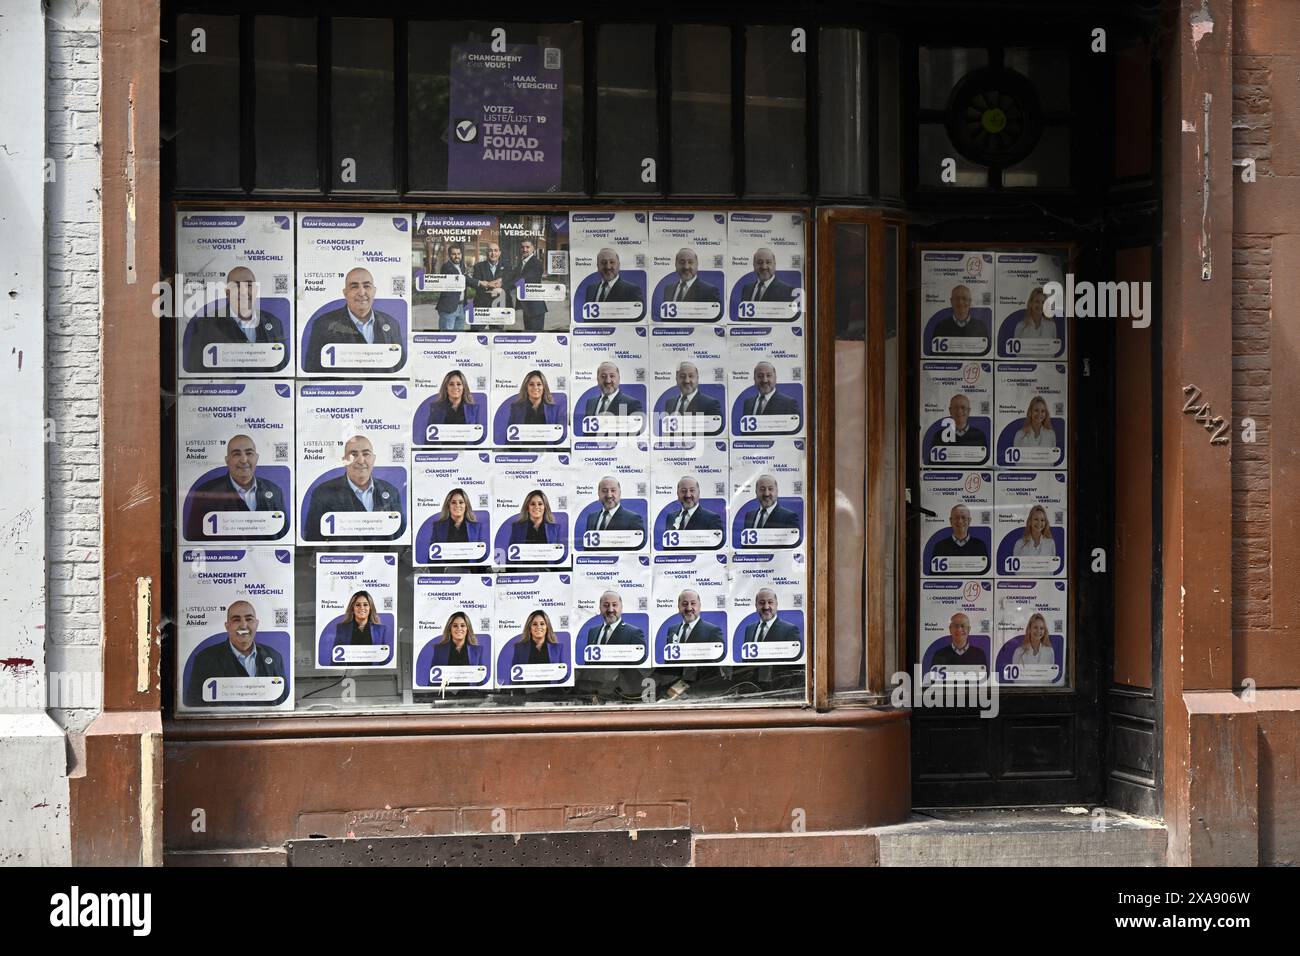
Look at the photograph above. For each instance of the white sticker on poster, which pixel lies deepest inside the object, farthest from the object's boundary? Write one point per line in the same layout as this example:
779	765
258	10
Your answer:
1031	632
450	380
454	621
234	462
611	486
1030	513
531	505
1023	330
451	507
611	373
765	368
767	612
236	611
533	630
765	266
768	495
530	390
956	619
956	413
956	303
690	485
689	611
688	367
356	610
234	298
611	606
353	463
354	271
688	258
609	266
956	523
1031	414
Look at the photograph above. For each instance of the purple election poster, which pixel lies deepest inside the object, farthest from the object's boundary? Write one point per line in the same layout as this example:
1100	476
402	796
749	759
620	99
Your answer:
507	124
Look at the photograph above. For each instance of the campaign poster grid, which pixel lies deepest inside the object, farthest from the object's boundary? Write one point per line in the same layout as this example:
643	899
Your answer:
766	610
768	493
765	366
531	507
765	266
530	390
611	488
688	368
454	622
451	508
611	608
451	376
689	610
231	602
609	259
534	631
688	259
356	610
610	377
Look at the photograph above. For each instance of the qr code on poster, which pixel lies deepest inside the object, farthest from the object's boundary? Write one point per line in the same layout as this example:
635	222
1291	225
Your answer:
281	285
399	285
281	617
282	451
397	451
551	58
557	263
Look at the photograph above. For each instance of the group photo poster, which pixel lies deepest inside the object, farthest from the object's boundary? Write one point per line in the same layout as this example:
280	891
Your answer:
1031	414
1030	523
768	494
610	371
353	463
611	608
1031	638
533	631
689	610
1024	330
459	278
766	608
689	489
454	619
451	509
451	376
688	369
956	624
765	266
354	273
611	488
236	608
356	610
234	462
234	299
536	247
530	390
765	366
688	260
957	523
531	494
956	413
956	303
608	263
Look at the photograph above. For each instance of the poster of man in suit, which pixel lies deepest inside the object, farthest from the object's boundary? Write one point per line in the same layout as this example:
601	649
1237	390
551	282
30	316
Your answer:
688	254
609	266
765	261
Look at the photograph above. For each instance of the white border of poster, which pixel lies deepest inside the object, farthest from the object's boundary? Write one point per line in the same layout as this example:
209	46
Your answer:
434	357
942	492
941	383
625	348
437	598
435	477
785	575
706	575
608	249
340	576
774	242
629	577
1016	602
1016	552
704	235
517	597
1020	385
943	271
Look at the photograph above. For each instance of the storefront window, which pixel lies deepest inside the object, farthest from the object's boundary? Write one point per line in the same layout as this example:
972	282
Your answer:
843	106
627	109
776	140
285	110
701	117
207	102
361	104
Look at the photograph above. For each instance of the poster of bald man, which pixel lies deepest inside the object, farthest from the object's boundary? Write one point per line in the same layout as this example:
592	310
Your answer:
688	258
765	264
956	629
956	413
458	278
608	256
689	611
956	303
611	610
956	523
234	648
353	463
234	462
765	368
766	610
688	370
689	491
610	377
234	296
611	485
354	274
768	495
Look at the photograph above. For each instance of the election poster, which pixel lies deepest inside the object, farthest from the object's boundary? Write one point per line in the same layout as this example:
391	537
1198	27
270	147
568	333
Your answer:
956	523
1031	414
768	495
688	368
1025	331
531	504
765	370
610	375
765	266
609	262
689	612
354	271
451	507
451	376
356	610
234	298
533	628
956	303
766	610
688	260
956	619
1029	517
454	619
611	487
536	246
530	390
353	463
956	413
690	485
234	462
459	279
235	633
1031	632
611	607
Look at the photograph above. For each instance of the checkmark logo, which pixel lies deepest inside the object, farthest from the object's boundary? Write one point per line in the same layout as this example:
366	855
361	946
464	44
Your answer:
466	130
